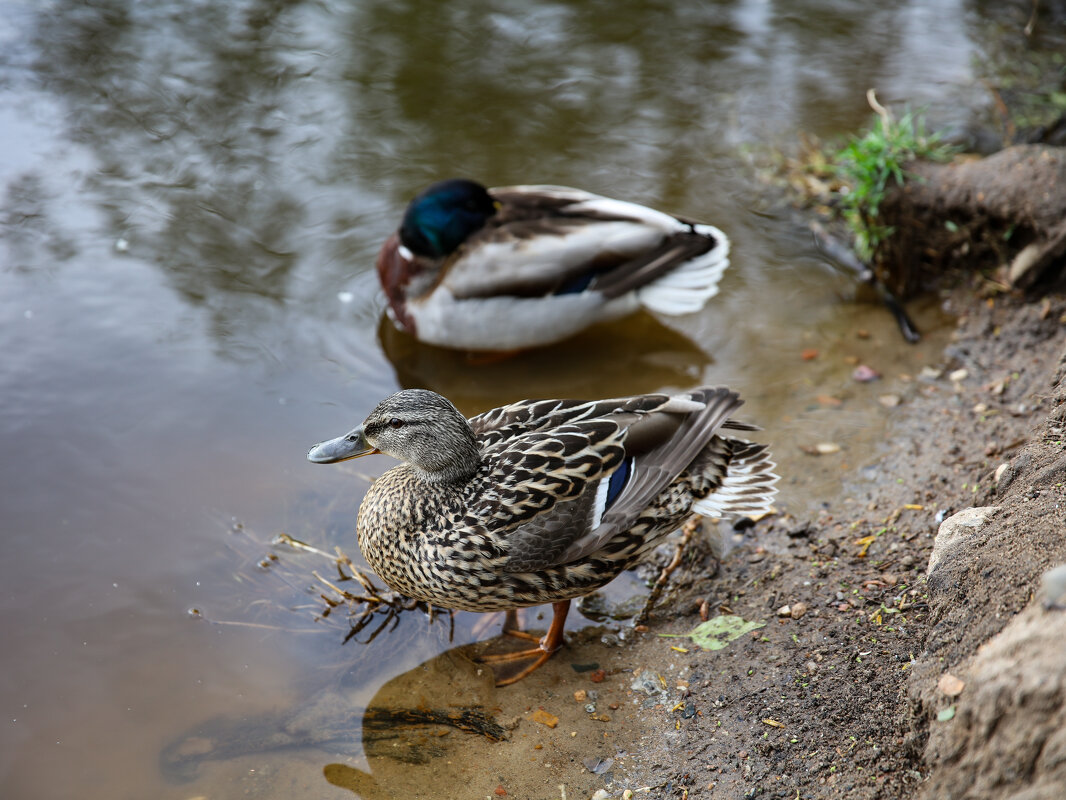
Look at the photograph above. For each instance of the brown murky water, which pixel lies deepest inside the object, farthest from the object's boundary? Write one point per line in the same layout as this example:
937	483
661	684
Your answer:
191	197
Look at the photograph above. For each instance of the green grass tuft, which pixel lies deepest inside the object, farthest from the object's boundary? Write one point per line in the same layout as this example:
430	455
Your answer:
866	164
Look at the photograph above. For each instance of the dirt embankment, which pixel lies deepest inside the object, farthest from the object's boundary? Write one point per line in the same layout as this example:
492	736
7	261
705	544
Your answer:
849	697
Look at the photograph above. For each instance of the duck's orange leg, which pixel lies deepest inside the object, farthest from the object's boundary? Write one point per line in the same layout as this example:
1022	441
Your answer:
551	642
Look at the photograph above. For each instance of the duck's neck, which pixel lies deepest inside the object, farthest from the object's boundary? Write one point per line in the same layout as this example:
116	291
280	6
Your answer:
454	467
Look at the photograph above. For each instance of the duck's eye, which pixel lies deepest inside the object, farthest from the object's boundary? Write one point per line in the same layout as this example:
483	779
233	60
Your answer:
395	422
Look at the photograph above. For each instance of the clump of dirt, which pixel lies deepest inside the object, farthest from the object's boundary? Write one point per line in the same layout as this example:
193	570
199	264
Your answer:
841	694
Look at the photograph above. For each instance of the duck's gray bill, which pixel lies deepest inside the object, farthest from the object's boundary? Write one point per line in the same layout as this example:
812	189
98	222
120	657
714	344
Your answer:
351	445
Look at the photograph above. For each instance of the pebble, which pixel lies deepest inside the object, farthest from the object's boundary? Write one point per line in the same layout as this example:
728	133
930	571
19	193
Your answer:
1054	586
581	695
956	529
958	375
889	400
784	611
950	685
865	374
798	609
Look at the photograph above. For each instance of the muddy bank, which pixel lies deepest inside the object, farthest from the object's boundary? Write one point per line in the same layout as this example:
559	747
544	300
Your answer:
846	698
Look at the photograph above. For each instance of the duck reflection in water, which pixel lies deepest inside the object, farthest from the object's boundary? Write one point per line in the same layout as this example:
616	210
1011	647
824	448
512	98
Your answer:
637	353
401	726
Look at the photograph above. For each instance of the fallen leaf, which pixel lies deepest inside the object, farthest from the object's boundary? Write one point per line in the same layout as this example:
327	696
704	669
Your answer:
544	718
913	507
865	541
809	354
716	633
946	714
773	723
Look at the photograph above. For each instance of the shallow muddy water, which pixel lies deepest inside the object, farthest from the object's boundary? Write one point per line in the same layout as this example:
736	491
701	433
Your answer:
191	198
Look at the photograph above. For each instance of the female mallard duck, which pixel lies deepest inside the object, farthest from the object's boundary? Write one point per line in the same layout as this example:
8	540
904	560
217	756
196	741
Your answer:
542	501
522	266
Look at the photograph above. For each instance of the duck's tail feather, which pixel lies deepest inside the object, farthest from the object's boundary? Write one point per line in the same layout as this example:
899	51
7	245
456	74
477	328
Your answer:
748	486
684	290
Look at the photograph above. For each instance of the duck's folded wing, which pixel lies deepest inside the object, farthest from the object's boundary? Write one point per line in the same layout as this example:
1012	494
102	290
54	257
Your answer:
499	426
542	491
661	446
559	489
550	239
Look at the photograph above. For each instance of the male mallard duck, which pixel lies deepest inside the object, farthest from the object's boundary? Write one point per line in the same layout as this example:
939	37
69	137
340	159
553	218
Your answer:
542	501
522	266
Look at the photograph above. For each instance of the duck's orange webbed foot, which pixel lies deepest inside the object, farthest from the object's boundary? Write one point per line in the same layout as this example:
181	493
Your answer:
544	650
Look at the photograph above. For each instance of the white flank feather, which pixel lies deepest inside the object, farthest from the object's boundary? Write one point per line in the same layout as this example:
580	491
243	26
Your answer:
747	489
687	288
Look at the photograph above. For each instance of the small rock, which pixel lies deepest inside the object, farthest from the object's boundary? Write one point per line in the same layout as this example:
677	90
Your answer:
784	611
956	528
930	374
958	375
798	610
1003	476
950	685
603	794
889	400
889	579
598	676
1054	587
809	354
865	374
500	791
581	695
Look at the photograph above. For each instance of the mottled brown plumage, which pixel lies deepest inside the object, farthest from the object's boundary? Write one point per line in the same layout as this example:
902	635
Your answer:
542	501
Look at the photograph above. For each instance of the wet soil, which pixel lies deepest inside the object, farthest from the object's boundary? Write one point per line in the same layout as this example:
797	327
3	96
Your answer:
846	699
